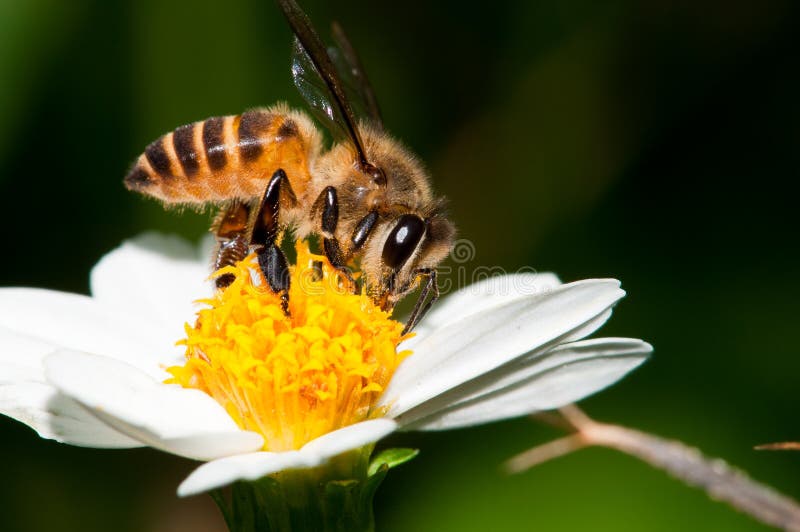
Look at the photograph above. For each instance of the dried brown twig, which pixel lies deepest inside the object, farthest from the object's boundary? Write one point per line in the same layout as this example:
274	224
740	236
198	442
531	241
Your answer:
720	480
780	446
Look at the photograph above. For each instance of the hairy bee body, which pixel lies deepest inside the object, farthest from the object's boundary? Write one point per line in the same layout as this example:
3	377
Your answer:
226	158
367	197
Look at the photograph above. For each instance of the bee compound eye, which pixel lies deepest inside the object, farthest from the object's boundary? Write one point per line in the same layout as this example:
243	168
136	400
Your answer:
403	240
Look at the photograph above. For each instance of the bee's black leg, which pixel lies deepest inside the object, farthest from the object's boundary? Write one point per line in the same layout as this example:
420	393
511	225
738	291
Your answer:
363	229
230	230
421	307
330	219
271	259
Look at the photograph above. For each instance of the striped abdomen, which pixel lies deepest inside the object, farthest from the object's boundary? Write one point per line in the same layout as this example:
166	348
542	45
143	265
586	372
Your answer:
225	158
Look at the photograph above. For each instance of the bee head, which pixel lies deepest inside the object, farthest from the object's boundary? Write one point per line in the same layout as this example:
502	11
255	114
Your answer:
407	245
411	234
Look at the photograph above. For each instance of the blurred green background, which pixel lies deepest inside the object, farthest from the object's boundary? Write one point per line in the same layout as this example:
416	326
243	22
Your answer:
656	142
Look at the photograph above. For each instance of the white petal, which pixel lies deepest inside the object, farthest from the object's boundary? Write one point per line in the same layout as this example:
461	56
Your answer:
250	466
482	342
21	357
78	322
561	376
208	445
256	465
350	437
155	276
485	294
26	397
54	416
539	362
168	417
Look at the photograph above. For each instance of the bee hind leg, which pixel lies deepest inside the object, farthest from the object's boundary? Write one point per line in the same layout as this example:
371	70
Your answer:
230	230
330	219
271	258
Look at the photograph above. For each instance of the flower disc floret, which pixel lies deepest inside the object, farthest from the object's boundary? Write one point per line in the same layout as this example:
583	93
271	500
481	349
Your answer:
291	378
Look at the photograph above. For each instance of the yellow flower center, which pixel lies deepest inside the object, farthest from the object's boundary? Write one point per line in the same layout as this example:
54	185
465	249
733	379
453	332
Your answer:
293	378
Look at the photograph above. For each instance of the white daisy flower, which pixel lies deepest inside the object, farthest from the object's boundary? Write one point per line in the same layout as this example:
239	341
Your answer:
251	395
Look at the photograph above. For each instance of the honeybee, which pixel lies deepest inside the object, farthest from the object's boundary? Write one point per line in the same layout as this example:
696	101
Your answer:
367	196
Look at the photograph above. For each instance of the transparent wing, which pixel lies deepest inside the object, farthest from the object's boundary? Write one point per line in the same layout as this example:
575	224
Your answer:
317	80
315	92
353	77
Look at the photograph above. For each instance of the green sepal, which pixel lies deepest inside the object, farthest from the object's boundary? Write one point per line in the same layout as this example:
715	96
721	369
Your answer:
335	497
372	483
346	507
391	458
222	504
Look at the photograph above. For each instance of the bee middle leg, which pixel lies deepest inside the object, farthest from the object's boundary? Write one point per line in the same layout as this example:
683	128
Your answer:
330	219
271	258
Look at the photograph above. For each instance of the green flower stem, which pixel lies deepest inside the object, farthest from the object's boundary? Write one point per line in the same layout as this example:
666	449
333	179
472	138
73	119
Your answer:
336	497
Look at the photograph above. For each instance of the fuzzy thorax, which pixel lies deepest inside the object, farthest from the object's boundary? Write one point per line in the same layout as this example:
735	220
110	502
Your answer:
291	379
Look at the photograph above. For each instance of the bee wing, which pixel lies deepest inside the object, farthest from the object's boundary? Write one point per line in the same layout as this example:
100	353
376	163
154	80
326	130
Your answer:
316	93
352	73
316	78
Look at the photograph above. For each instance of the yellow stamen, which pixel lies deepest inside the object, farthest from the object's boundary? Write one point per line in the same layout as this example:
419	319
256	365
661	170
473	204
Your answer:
294	378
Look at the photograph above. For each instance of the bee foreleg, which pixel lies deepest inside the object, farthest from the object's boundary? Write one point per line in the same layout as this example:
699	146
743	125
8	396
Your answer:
230	230
421	307
330	219
363	230
271	259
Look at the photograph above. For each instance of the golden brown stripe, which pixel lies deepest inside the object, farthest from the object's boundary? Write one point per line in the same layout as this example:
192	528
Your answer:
252	126
138	179
183	143
157	157
213	142
286	130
